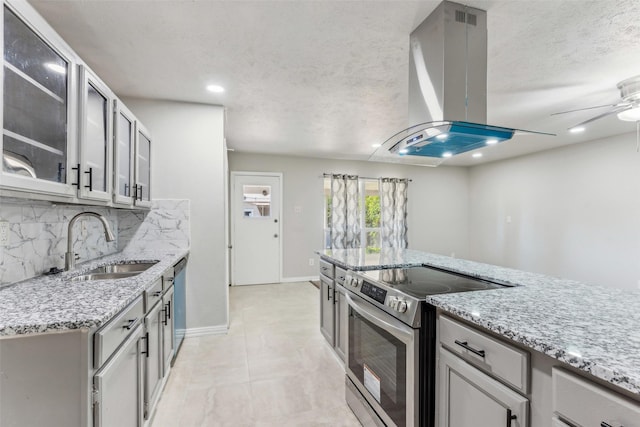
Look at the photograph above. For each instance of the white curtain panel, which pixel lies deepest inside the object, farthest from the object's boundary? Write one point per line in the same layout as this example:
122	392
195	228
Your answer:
345	212
393	213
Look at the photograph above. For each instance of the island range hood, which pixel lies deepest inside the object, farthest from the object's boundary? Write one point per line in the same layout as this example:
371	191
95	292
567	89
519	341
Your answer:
447	90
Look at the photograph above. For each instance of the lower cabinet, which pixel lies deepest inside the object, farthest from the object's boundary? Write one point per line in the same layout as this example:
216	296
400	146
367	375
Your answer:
341	313
168	344
326	308
153	361
469	397
118	386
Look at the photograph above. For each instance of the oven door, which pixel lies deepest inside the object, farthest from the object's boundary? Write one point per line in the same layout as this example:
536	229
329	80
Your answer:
382	362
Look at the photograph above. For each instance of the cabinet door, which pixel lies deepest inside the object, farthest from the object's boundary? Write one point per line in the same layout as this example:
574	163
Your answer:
469	397
142	193
341	322
167	330
96	115
153	359
39	106
118	387
123	152
326	308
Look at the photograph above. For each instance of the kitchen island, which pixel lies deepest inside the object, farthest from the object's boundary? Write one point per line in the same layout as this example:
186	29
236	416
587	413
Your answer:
591	328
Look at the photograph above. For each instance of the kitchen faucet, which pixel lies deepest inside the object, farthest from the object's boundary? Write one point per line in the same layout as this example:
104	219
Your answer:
70	256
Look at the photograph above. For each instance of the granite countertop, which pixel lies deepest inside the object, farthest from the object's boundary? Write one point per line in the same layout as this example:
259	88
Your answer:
54	303
593	328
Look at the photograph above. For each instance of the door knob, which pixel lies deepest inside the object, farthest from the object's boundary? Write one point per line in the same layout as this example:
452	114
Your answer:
275	220
275	235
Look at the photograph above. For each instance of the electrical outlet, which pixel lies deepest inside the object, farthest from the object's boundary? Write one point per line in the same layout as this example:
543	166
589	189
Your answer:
4	233
311	262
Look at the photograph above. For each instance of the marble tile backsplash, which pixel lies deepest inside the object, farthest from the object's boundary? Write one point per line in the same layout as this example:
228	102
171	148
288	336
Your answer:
38	233
164	227
38	237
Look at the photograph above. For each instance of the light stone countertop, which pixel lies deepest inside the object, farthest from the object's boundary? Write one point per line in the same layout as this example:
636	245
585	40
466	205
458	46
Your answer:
593	328
55	303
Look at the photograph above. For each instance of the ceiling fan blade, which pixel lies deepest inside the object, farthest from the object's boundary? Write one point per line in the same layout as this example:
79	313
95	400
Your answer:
605	114
585	109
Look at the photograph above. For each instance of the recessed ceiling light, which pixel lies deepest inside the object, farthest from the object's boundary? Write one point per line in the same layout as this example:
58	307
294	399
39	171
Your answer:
577	129
376	145
403	151
56	67
442	136
215	88
492	141
477	155
447	154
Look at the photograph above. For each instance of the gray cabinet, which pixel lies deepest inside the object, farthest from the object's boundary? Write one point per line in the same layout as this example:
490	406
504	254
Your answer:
118	386
341	312
123	154
327	308
469	397
39	100
95	143
142	189
167	330
153	357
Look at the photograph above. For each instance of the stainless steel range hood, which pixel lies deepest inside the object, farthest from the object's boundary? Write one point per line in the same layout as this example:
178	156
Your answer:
447	90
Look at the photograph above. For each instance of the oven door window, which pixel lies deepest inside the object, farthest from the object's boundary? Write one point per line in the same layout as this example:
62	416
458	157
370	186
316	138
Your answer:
379	361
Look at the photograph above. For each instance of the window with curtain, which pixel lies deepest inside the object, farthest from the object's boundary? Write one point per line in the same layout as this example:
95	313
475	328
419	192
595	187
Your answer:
364	212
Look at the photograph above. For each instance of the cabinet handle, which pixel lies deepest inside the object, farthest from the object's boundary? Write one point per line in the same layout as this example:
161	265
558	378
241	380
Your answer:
146	339
169	309
131	323
126	190
164	311
90	172
466	346
140	192
328	293
135	192
77	183
510	417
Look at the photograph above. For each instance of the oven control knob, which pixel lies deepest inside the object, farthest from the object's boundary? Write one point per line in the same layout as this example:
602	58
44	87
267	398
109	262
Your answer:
358	282
392	302
401	306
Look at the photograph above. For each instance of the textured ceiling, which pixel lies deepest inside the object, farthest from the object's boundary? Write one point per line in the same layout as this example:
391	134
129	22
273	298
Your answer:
330	78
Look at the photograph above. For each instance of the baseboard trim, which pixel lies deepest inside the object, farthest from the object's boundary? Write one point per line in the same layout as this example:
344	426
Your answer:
299	279
207	330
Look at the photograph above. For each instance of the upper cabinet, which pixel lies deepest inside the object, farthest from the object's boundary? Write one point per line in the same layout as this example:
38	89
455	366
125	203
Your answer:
65	134
38	114
123	144
96	133
143	167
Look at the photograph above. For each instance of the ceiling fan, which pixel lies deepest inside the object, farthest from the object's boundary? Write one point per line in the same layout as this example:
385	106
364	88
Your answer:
627	109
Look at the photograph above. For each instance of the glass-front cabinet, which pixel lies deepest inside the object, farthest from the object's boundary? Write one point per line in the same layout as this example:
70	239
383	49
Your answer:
96	124
124	142
142	190
38	114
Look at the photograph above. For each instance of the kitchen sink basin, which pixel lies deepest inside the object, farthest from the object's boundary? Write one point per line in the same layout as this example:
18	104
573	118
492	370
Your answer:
105	276
123	268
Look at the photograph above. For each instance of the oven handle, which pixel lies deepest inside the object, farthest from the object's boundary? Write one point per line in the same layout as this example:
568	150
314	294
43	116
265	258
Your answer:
382	320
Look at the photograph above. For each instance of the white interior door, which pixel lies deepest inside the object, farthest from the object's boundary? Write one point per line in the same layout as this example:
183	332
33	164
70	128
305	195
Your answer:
256	249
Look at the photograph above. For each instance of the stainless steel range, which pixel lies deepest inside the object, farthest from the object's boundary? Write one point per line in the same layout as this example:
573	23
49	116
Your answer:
390	364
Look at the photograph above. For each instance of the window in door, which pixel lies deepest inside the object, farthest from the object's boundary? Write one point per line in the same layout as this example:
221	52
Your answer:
256	201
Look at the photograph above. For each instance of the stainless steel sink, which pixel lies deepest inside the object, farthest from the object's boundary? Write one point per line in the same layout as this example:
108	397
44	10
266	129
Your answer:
124	268
105	276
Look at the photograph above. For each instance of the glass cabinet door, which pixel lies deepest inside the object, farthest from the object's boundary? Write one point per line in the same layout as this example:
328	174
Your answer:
38	84
123	154
142	191
95	137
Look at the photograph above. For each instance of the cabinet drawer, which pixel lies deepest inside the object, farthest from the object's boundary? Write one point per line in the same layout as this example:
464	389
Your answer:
585	403
108	338
340	275
501	360
152	295
326	268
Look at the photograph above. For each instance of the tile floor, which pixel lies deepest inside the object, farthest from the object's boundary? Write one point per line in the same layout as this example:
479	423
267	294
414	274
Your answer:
273	368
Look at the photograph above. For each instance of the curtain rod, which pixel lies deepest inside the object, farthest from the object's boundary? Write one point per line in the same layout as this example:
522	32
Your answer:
328	175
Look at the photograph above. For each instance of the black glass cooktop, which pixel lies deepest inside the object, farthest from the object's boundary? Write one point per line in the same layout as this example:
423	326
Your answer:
422	281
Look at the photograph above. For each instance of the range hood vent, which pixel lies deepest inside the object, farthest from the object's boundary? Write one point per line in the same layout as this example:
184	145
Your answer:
447	90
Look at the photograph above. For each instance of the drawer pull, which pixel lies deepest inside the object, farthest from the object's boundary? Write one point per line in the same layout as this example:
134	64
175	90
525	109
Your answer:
131	323
606	424
510	417
466	346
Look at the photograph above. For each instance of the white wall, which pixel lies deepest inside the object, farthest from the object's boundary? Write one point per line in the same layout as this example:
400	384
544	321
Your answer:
189	156
575	212
437	205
